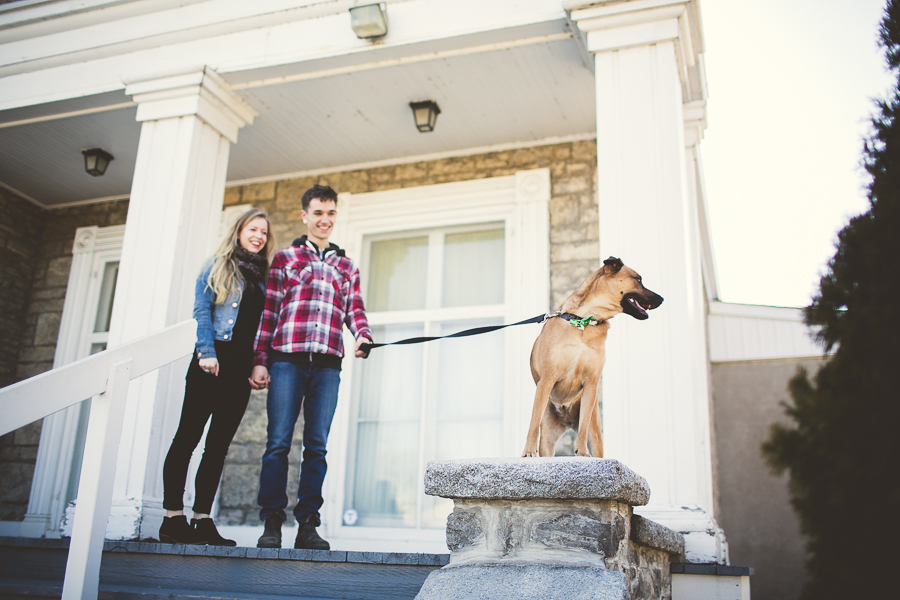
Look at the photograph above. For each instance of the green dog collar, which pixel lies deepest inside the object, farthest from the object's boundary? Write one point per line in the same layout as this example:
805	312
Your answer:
582	323
576	321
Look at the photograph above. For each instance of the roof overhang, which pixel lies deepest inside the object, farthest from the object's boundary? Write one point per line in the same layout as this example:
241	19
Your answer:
503	72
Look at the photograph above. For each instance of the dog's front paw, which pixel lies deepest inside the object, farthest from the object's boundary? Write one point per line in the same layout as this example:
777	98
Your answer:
530	453
583	453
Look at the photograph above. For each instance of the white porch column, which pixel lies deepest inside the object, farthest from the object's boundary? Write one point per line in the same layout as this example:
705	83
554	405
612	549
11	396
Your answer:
189	121
656	403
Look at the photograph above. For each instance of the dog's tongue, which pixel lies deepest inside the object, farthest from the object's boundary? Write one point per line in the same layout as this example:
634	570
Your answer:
637	305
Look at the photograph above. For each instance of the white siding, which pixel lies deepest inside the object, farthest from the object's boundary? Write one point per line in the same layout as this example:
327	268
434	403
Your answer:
747	332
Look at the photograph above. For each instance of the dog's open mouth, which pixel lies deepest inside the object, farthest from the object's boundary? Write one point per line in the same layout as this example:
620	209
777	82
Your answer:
637	306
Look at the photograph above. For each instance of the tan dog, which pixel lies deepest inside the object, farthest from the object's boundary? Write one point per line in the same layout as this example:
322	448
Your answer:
569	353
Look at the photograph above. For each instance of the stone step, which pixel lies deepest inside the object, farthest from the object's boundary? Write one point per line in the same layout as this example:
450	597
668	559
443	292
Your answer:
34	568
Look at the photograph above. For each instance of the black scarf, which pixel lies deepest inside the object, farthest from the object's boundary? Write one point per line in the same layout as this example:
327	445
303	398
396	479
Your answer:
253	266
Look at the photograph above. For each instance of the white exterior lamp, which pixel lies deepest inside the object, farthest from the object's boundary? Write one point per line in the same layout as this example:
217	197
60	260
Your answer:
369	21
96	160
425	114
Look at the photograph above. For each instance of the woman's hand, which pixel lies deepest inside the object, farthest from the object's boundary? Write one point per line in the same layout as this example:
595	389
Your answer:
259	378
210	365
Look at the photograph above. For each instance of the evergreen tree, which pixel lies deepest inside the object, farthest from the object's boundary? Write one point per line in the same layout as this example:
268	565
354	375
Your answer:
841	447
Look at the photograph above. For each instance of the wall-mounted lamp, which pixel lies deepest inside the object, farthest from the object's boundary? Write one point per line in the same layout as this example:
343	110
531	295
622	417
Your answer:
425	114
96	160
369	21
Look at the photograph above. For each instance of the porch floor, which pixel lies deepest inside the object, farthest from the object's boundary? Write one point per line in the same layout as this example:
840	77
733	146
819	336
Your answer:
34	568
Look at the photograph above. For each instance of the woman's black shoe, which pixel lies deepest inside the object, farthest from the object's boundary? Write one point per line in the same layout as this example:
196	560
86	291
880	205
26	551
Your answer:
208	534
175	530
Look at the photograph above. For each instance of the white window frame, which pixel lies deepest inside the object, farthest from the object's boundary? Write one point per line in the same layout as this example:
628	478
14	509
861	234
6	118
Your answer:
521	203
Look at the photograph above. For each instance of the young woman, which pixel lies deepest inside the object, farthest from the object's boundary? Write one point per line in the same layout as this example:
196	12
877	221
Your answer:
228	301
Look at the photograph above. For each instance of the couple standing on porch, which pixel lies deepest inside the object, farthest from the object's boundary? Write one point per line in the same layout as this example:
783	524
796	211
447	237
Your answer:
284	334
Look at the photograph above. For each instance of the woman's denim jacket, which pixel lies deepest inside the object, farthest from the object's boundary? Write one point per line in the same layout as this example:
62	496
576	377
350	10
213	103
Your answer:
214	321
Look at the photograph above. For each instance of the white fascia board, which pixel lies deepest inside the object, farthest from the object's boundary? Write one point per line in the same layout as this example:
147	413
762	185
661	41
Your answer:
29	19
618	8
27	11
180	21
414	23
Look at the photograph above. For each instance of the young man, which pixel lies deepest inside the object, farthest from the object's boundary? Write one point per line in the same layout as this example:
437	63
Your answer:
313	290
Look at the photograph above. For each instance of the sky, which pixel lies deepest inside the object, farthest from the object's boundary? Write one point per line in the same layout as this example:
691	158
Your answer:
792	85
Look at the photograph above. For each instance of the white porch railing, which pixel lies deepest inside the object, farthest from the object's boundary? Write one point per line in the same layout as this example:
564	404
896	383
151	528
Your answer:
105	377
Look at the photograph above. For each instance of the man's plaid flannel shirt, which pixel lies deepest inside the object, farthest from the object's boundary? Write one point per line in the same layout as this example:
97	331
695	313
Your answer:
308	300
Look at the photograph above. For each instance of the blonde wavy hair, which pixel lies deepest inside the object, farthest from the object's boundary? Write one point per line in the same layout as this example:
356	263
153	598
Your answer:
225	277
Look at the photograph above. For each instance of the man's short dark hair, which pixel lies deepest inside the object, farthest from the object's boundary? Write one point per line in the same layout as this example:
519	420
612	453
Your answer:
322	192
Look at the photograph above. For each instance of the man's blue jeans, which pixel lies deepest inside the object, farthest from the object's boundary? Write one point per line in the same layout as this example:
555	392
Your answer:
315	389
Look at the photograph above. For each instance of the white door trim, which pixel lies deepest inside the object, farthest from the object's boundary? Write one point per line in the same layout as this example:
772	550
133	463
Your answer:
93	248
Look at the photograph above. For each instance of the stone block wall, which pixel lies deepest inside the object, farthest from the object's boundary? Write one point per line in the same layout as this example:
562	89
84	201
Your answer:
560	533
574	254
574	226
21	223
47	237
51	277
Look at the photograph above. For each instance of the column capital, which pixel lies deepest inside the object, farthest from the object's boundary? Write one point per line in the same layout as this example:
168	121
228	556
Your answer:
609	25
199	92
694	122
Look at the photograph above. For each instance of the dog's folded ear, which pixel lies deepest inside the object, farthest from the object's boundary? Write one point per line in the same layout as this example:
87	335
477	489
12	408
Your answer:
614	263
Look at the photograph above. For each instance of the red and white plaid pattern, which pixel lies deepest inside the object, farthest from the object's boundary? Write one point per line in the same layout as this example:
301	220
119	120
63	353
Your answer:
308	300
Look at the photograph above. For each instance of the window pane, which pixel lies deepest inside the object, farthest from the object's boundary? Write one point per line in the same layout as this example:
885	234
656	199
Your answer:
473	268
396	278
107	293
384	493
390	380
469	409
384	483
477	394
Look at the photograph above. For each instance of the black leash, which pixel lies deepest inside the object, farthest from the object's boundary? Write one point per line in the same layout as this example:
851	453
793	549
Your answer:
574	319
475	331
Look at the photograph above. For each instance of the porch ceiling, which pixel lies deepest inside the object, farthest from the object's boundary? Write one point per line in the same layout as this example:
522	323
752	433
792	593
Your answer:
519	94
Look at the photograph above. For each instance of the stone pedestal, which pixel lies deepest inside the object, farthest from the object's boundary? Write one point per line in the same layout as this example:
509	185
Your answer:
549	528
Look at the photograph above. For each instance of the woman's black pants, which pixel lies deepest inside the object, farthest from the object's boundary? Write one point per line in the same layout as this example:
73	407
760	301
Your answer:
223	399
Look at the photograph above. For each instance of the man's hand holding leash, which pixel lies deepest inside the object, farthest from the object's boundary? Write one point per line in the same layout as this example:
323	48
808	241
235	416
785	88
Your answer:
362	353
